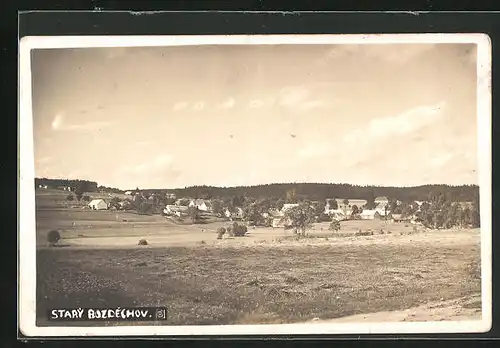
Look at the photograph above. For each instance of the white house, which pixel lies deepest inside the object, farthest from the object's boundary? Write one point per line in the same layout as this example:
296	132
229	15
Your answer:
201	204
345	207
175	210
128	193
381	201
288	206
337	214
237	214
98	204
369	214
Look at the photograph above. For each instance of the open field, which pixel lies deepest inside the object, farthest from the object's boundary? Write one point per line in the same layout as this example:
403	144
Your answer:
262	283
266	277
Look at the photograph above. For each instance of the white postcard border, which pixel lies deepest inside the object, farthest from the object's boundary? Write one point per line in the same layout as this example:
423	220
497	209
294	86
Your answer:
26	198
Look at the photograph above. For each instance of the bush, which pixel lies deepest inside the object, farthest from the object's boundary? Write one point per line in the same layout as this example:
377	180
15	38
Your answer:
70	197
239	230
86	198
220	232
53	237
145	208
142	242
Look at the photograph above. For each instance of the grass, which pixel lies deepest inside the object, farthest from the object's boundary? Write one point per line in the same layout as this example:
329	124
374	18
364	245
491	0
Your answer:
256	284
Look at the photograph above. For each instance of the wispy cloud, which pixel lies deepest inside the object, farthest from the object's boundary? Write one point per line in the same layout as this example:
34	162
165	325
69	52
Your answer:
180	106
199	106
313	104
58	124
404	123
316	150
255	104
292	95
227	104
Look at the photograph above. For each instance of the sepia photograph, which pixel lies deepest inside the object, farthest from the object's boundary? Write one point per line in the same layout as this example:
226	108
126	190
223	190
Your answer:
268	184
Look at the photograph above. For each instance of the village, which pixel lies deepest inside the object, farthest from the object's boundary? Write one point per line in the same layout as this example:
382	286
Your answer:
269	213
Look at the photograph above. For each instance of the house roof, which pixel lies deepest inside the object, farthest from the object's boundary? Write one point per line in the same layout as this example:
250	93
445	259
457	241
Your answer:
381	199
289	205
369	212
352	201
97	201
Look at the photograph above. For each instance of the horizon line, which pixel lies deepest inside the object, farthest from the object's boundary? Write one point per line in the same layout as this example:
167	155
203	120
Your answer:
257	185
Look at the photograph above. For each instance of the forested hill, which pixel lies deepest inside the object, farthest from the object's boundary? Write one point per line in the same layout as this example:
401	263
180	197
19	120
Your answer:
323	191
309	191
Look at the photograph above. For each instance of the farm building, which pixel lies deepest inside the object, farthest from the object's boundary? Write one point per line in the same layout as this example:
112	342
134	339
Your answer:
201	204
238	214
369	215
381	201
279	222
288	206
337	214
175	210
98	204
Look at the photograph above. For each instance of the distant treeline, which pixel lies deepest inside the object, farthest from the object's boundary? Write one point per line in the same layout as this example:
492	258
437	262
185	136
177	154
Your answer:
75	185
320	192
295	191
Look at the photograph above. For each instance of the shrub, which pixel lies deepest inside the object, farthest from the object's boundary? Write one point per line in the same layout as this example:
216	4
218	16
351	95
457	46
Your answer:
145	208
220	232
70	197
86	198
142	242
334	226
239	230
53	237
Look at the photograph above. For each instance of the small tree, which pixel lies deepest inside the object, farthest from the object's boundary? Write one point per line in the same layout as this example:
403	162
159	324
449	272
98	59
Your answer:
300	218
355	212
217	207
334	225
194	214
145	208
220	232
53	237
345	207
238	230
115	202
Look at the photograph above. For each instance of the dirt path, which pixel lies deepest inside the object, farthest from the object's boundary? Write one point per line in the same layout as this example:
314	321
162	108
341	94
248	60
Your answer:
467	308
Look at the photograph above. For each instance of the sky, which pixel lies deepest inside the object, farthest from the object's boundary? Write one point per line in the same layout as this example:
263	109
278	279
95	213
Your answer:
170	117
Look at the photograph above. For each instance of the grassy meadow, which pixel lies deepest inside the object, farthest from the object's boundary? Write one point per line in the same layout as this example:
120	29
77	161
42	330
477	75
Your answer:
267	276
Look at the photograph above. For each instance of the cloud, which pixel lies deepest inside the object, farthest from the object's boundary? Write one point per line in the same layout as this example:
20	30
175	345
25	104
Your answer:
199	106
227	104
441	159
180	106
316	150
292	95
313	104
162	161
58	124
404	123
255	104
159	162
57	121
